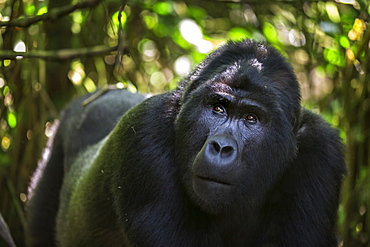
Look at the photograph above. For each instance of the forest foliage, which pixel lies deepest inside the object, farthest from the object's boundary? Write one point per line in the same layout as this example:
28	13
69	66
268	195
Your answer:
54	50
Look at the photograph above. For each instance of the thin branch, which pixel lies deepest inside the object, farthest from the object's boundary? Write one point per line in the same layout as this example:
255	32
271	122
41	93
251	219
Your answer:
121	38
52	15
5	233
63	54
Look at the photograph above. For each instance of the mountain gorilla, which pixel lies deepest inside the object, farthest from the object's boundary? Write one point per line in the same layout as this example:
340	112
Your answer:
229	158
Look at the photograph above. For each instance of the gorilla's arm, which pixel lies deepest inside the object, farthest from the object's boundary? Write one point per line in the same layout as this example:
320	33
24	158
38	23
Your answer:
301	209
80	126
148	205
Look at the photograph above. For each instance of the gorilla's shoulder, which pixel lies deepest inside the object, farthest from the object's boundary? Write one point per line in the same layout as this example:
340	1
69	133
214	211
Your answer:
162	106
314	127
318	140
151	120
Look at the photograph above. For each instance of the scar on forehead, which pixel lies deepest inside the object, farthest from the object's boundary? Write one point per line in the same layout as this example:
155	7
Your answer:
221	88
257	64
231	69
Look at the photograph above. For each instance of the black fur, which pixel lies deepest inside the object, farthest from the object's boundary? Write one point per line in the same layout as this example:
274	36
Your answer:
80	126
229	158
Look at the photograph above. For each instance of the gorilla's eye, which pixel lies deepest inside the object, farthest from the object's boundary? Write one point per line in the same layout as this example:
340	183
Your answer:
251	118
219	109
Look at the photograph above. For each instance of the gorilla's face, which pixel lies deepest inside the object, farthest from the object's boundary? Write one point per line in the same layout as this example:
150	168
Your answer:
234	133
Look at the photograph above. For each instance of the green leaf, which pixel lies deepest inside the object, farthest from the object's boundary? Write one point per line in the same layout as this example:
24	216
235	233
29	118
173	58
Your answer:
270	32
344	42
238	33
30	10
42	10
197	13
334	57
12	120
163	8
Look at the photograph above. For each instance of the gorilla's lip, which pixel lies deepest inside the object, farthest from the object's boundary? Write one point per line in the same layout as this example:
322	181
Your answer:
214	180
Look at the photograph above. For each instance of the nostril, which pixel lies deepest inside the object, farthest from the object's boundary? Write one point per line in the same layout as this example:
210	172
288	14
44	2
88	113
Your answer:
219	149
216	147
227	150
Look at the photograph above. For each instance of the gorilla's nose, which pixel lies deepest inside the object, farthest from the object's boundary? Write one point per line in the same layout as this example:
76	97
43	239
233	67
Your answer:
221	150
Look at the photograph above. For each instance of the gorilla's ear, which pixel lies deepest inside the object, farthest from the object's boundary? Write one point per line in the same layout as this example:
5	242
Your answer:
289	89
296	120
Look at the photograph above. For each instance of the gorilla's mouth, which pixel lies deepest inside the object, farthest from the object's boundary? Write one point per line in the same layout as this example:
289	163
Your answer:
214	180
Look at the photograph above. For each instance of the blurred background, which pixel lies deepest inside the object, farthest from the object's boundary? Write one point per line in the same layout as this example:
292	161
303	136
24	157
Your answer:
55	50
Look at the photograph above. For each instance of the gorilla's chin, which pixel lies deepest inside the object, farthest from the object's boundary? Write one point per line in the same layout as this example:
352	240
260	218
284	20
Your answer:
213	197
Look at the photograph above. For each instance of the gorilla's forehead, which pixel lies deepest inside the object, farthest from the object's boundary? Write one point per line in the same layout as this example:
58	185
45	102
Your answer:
233	93
245	75
241	67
